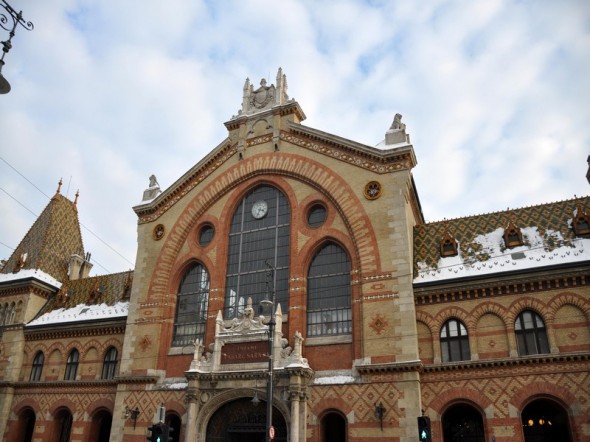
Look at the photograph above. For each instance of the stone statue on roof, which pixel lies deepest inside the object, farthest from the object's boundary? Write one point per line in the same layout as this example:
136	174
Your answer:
397	123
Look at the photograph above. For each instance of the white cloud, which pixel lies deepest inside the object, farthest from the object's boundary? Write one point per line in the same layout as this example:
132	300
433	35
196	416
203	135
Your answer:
106	93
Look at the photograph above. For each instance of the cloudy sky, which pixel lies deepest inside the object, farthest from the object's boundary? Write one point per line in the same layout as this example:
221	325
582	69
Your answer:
495	95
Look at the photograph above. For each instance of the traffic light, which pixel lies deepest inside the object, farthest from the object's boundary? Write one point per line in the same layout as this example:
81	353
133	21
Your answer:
167	433
157	433
160	432
424	432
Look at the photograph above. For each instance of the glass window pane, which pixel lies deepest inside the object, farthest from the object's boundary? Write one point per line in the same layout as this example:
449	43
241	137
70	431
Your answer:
254	245
329	293
191	306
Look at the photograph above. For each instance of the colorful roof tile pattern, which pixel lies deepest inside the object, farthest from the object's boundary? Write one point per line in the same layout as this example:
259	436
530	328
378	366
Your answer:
49	243
548	236
102	290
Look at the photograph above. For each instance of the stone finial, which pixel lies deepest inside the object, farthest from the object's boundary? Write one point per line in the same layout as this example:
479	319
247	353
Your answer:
59	185
397	132
397	123
153	190
266	96
76	199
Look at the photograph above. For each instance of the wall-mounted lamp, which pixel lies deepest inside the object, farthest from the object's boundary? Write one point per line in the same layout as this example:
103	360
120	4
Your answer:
379	412
132	414
9	19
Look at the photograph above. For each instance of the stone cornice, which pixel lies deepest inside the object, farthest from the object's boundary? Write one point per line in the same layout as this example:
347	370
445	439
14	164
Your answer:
371	158
517	283
58	331
508	362
216	377
152	210
39	386
26	286
393	367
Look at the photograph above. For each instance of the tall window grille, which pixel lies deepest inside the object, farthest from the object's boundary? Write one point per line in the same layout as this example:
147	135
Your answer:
454	342
531	335
109	366
329	293
191	306
72	365
37	366
255	243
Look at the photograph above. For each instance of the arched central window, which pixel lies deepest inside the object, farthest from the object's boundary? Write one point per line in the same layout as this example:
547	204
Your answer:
72	365
329	293
191	306
258	238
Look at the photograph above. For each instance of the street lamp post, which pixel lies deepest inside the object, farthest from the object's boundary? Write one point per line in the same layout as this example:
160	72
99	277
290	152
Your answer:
9	21
270	273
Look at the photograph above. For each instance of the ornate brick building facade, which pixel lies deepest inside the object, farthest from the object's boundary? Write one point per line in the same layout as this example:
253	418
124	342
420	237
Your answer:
480	323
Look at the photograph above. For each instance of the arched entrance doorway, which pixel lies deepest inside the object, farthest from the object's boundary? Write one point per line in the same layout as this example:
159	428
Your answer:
100	428
241	421
544	420
62	425
173	421
26	426
462	422
333	427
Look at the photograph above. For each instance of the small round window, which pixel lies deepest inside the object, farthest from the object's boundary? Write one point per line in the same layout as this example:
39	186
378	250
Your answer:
206	234
316	215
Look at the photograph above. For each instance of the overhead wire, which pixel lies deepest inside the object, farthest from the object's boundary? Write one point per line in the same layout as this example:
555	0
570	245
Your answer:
48	197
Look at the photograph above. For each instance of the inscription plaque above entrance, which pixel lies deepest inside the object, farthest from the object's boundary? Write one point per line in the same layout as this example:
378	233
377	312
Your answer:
244	352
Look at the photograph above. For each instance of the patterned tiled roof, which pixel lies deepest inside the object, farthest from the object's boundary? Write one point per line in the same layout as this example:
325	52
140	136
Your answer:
102	289
49	243
552	221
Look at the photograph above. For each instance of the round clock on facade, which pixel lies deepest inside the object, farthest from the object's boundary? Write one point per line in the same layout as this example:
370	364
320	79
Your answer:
259	209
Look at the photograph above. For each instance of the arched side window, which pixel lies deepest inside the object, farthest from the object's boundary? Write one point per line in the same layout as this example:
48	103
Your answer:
454	342
37	366
109	366
531	335
72	365
329	293
191	306
259	237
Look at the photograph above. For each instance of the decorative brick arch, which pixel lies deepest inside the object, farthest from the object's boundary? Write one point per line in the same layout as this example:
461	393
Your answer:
323	179
538	390
63	403
427	319
454	313
568	298
527	303
489	308
27	403
453	396
100	405
210	407
331	404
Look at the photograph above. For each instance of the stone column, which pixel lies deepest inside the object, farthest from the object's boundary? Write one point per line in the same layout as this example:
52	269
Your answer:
512	347
192	412
294	416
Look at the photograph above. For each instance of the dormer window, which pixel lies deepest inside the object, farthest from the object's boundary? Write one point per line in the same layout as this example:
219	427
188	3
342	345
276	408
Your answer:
512	236
581	222
448	246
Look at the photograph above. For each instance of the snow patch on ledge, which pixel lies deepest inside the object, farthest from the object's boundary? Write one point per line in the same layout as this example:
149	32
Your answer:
30	273
81	313
331	380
